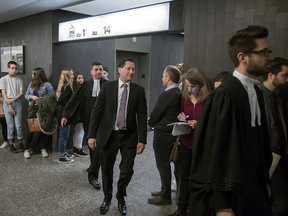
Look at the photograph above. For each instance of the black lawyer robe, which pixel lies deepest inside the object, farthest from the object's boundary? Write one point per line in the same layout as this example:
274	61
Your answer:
81	103
222	146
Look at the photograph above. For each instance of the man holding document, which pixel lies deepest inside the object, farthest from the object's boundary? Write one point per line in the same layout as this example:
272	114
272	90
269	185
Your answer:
165	111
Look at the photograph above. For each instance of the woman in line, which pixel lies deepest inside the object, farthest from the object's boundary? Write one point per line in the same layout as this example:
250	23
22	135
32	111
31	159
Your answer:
195	89
3	123
38	87
63	94
79	130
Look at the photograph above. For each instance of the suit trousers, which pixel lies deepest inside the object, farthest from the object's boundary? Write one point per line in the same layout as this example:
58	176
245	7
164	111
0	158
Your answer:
162	152
279	189
109	152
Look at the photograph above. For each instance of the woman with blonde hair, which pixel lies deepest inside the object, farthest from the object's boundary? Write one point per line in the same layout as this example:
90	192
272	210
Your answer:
195	89
180	67
63	94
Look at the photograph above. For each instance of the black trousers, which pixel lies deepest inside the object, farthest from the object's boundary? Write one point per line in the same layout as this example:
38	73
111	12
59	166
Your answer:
162	152
279	190
95	162
39	138
254	203
4	127
108	157
185	157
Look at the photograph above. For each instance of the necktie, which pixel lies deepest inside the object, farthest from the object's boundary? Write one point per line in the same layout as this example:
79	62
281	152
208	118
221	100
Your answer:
277	120
122	108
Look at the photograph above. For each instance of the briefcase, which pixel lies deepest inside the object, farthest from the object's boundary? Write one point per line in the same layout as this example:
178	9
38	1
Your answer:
33	124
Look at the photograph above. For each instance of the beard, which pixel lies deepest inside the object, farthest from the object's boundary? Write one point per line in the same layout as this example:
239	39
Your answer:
258	70
278	84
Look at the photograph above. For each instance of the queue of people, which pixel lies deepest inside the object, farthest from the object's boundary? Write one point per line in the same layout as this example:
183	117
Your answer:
225	159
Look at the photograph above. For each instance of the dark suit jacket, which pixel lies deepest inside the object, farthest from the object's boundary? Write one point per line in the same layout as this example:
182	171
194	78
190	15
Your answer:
81	103
104	114
166	110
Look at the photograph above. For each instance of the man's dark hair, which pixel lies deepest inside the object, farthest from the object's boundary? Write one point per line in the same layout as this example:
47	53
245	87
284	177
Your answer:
222	76
123	62
96	63
10	63
244	41
276	67
173	72
106	69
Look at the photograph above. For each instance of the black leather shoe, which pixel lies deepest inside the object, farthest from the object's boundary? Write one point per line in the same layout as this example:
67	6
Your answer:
104	208
122	208
95	183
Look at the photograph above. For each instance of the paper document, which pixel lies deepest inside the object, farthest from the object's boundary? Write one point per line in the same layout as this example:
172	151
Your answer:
274	164
180	128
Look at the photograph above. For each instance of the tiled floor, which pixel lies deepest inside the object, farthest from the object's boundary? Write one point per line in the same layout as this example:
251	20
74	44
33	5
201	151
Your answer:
42	186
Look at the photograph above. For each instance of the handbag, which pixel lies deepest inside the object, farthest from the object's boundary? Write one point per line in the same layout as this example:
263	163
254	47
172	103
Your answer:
33	124
174	156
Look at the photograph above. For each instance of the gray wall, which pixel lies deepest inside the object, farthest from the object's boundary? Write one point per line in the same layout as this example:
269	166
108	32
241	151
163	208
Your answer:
35	33
209	24
165	50
80	56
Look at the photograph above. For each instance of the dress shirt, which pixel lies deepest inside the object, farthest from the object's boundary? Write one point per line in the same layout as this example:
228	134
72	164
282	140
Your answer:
248	84
172	86
120	91
96	88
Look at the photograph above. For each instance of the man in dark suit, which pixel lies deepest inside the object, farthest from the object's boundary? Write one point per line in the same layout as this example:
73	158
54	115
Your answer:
81	104
276	80
118	121
165	112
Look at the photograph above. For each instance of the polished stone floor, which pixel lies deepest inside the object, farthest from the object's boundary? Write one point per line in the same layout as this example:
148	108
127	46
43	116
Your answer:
42	186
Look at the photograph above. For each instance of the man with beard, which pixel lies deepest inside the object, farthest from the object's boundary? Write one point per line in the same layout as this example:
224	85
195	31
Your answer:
277	79
231	152
82	103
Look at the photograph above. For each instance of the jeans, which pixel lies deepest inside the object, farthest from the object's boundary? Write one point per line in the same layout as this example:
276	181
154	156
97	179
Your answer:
17	107
64	135
78	136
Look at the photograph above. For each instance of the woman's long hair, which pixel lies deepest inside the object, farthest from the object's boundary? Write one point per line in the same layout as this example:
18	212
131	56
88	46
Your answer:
64	81
196	76
76	75
39	77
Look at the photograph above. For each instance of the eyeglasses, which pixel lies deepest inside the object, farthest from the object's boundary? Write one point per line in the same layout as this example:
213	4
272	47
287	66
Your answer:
265	52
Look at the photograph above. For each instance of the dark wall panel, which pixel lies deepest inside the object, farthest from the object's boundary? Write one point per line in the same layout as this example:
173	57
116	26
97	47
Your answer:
165	50
35	33
209	25
80	56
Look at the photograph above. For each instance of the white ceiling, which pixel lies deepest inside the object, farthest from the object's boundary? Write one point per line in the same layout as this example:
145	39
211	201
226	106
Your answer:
14	9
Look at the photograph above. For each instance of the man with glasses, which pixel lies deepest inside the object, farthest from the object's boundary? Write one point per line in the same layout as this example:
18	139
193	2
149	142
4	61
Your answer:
231	152
12	90
277	79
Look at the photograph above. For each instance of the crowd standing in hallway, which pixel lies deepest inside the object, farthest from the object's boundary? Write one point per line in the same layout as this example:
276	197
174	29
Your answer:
225	159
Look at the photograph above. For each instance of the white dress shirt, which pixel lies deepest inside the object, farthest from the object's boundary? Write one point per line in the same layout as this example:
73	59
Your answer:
120	91
248	84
